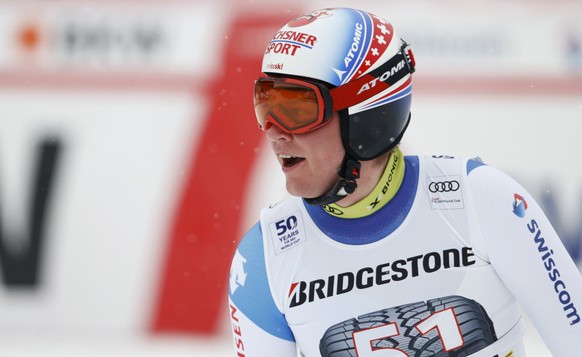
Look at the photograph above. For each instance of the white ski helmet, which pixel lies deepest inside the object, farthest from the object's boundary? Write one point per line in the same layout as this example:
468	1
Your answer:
365	63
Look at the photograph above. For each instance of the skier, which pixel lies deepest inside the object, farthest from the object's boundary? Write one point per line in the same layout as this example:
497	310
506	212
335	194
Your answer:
376	253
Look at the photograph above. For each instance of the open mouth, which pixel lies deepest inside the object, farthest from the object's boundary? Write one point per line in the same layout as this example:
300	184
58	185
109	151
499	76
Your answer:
289	161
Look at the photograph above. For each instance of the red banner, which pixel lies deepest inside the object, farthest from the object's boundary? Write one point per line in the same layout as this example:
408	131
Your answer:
206	229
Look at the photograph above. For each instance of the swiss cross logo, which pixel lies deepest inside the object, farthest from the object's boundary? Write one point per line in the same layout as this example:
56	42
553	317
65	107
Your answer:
381	38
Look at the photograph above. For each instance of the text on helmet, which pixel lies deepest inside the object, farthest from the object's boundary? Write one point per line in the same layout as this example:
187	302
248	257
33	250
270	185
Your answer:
287	42
383	78
355	45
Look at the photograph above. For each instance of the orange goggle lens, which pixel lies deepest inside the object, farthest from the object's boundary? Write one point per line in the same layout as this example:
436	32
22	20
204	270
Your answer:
294	106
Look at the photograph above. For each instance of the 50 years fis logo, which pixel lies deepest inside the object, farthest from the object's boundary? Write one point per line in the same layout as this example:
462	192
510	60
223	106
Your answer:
287	233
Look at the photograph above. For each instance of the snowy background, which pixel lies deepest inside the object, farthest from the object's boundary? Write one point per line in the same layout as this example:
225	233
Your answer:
159	168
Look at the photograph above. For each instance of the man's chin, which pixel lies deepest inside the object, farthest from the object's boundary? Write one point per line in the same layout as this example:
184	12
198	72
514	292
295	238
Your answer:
302	192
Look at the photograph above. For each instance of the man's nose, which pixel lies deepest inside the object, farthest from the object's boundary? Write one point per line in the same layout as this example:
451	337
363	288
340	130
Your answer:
274	133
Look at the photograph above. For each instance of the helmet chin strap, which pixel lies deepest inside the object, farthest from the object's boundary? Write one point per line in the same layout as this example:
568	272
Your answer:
348	173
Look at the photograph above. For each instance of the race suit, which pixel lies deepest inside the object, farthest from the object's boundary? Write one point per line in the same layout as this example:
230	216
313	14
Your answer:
445	268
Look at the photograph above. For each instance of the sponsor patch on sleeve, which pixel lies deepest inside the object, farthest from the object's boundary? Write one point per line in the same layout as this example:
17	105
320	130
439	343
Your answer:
444	192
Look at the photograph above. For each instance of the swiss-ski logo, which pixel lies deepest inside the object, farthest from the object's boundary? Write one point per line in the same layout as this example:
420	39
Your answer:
238	275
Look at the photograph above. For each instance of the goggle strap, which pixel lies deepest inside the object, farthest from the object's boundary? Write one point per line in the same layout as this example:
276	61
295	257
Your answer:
371	84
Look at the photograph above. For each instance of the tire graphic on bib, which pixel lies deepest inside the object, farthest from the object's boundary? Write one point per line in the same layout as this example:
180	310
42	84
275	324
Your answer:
451	326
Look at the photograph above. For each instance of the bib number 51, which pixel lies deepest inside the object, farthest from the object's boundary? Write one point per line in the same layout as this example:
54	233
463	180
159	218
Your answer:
445	323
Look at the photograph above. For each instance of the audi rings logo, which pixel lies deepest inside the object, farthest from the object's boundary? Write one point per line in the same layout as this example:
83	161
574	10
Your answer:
444	192
444	186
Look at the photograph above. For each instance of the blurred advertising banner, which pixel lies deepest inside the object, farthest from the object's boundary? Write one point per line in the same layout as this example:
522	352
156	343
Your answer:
92	38
126	145
131	164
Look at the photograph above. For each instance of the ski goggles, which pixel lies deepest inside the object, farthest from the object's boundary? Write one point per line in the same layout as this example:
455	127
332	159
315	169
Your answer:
297	106
293	105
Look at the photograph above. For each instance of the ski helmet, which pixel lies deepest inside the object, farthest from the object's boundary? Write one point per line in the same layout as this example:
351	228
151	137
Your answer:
368	67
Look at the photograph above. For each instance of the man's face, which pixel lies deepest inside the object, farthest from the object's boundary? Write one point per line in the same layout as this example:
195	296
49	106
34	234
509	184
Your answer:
309	161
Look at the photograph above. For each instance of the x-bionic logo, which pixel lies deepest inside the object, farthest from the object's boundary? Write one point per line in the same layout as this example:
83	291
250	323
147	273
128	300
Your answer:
444	186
